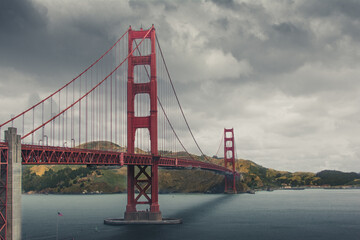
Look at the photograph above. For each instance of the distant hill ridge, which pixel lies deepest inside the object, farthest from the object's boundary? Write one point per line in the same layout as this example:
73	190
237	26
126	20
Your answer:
80	179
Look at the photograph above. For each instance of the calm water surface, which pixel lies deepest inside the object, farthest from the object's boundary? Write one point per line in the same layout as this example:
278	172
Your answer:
308	214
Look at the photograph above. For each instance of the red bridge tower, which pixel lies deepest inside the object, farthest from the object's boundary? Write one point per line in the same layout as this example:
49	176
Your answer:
140	178
229	157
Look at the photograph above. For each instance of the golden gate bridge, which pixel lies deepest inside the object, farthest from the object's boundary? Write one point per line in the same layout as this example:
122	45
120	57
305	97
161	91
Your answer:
114	100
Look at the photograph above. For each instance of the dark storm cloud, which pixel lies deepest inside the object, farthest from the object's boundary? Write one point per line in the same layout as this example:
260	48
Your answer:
345	14
224	3
221	23
285	46
288	35
167	6
137	4
30	46
284	74
20	22
20	16
271	47
349	8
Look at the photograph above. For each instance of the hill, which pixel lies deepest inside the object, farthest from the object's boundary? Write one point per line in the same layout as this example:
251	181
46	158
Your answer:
82	179
336	178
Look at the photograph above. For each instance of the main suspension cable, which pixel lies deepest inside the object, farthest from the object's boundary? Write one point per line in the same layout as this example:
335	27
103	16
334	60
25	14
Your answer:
177	99
51	95
221	141
162	108
74	103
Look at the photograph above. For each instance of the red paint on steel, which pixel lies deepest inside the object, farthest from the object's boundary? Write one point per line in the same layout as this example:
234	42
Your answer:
160	104
48	155
149	122
77	101
154	206
12	119
229	157
150	88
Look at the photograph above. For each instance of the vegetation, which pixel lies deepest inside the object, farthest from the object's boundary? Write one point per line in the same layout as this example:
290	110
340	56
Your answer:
82	179
335	178
52	180
73	180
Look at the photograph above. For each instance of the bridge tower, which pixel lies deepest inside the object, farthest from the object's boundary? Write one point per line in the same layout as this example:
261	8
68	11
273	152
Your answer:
229	157
142	177
10	187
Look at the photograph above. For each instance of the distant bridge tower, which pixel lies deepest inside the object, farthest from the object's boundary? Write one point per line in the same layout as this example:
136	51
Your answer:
142	179
229	157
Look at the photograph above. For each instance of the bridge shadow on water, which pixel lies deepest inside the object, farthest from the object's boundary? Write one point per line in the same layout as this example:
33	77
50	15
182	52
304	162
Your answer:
192	227
200	210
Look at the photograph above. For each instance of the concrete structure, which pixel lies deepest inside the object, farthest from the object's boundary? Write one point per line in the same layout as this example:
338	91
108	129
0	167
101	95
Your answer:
163	221
13	185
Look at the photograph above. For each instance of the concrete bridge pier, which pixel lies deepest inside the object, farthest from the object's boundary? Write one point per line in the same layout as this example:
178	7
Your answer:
13	207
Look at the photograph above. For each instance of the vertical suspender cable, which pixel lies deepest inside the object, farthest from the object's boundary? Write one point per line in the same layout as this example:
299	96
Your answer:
177	99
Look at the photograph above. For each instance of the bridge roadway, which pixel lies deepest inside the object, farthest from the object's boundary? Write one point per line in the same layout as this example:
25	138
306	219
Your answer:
47	155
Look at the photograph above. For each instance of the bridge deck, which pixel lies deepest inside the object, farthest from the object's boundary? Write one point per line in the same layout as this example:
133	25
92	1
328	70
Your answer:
46	155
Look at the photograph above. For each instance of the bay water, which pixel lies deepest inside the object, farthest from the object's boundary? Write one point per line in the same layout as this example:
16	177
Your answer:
282	214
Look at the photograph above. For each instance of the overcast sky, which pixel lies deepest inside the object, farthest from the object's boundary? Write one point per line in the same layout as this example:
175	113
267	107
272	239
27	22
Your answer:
283	74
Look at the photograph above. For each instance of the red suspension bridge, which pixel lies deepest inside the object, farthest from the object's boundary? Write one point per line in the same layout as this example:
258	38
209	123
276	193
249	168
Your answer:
114	100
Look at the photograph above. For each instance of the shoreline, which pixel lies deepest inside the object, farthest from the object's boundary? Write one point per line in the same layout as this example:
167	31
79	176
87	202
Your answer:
252	191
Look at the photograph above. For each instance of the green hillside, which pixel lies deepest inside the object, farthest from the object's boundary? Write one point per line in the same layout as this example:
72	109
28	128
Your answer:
82	179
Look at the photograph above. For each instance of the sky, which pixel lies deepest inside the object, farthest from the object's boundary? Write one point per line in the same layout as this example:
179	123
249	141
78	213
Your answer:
284	74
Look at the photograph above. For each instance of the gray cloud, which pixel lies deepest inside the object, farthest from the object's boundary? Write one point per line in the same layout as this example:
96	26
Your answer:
349	8
224	3
19	17
283	74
